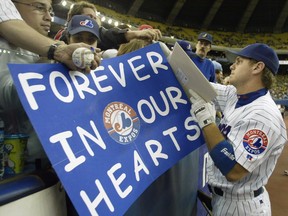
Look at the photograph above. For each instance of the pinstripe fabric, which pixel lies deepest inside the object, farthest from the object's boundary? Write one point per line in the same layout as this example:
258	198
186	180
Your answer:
259	206
260	117
8	11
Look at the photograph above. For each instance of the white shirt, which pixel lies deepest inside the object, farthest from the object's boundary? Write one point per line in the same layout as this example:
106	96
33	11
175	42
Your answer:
257	133
8	11
11	110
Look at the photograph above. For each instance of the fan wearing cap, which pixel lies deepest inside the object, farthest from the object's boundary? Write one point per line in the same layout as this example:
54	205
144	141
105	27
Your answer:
145	26
110	38
203	46
186	46
218	71
84	29
245	147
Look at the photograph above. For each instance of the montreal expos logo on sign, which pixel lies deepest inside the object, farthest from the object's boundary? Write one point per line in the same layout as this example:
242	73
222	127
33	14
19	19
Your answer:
255	141
121	122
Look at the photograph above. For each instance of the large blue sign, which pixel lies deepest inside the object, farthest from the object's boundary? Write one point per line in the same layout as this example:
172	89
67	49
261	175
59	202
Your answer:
109	134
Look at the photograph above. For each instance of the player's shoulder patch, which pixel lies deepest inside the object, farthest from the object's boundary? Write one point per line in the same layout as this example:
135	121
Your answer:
255	141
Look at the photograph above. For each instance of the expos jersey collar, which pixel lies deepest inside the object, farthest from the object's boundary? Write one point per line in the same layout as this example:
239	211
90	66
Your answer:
248	98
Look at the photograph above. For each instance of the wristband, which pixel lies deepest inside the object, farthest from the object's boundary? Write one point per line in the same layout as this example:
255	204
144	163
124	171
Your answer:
223	156
51	51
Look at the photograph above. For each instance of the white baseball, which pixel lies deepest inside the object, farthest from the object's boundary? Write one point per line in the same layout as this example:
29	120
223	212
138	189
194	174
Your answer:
82	57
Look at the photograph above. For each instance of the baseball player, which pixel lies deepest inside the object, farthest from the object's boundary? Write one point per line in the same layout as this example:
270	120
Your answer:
245	147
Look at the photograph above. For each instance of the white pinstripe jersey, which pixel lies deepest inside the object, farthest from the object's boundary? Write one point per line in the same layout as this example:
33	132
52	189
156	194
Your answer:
8	11
257	133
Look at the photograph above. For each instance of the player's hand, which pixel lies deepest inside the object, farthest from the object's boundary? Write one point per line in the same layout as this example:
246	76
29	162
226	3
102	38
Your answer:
64	53
204	112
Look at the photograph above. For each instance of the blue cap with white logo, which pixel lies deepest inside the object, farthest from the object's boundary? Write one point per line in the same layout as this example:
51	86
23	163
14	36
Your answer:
186	46
260	52
82	23
205	36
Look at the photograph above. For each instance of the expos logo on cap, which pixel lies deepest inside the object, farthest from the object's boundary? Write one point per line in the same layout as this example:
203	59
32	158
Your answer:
205	36
87	23
82	23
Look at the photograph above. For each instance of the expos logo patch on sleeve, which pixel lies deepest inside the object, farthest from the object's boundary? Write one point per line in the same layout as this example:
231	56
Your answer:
255	141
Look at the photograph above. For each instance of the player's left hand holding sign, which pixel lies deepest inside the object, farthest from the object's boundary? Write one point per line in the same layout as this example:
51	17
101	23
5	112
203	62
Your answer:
203	111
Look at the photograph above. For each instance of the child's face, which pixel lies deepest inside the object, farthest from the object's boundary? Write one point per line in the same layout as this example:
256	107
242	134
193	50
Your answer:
84	37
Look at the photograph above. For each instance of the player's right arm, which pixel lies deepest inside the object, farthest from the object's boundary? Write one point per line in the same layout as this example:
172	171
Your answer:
220	150
214	137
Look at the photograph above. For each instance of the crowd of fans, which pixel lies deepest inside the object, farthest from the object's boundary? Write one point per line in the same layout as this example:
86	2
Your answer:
280	90
225	39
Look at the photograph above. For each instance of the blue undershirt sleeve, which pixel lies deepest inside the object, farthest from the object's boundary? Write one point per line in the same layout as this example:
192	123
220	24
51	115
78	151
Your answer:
223	156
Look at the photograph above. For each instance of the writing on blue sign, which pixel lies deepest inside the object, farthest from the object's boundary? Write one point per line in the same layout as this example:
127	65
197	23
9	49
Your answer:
87	86
78	144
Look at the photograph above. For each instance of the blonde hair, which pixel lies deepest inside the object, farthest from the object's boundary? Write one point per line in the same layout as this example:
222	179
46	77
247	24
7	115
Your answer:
131	46
267	78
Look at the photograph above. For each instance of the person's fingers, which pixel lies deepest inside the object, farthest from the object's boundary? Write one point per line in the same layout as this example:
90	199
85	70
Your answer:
150	34
97	59
64	54
154	34
157	34
95	63
98	50
87	70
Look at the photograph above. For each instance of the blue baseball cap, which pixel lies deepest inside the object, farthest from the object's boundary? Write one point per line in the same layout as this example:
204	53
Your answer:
186	46
260	52
217	66
83	23
205	36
